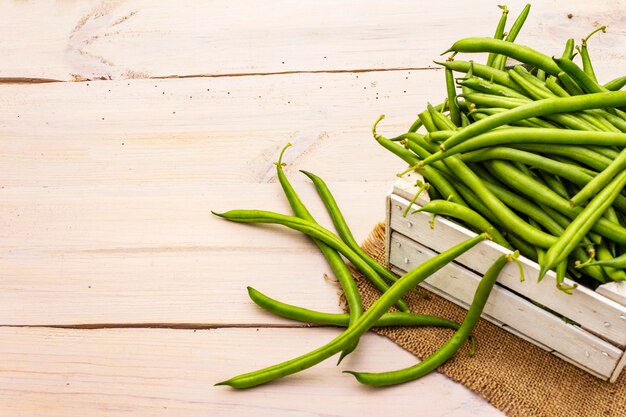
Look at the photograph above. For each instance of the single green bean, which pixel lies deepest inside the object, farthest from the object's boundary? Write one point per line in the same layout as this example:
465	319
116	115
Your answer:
616	84
467	215
316	231
479	70
455	112
519	52
305	315
584	54
569	84
335	261
568	52
342	226
365	322
487	87
448	349
601	180
617	262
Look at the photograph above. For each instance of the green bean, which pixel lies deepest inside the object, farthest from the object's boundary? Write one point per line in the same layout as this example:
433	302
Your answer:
569	84
601	180
604	254
531	122
577	153
499	32
365	322
500	210
335	261
441	121
519	52
489	100
560	278
541	75
342	226
343	320
427	121
482	71
569	49
536	90
582	223
316	231
467	215
617	262
552	85
582	79
525	135
455	112
487	87
448	349
584	54
616	84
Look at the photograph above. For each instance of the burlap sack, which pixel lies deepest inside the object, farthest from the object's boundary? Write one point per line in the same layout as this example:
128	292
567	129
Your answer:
518	378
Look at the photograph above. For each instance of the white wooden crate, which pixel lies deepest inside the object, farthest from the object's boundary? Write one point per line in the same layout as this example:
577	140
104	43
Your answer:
596	345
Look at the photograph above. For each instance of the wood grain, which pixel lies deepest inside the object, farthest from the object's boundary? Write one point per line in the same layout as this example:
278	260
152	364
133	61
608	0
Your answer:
141	38
163	372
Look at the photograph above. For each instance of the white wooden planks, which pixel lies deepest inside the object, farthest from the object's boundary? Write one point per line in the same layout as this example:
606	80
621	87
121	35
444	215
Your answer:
164	372
142	38
155	254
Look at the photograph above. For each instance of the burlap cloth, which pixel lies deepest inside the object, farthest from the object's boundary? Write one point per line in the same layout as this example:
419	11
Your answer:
518	378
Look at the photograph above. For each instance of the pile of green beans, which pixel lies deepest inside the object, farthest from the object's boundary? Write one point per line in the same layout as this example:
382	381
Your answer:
535	150
357	322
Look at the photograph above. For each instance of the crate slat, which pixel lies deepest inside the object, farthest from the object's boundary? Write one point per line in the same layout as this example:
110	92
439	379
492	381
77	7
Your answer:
580	346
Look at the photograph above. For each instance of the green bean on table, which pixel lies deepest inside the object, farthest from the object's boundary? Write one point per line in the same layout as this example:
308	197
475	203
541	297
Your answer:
314	230
335	261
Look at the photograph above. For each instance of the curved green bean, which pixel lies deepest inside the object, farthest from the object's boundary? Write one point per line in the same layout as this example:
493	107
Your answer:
305	315
616	84
335	261
467	215
502	47
316	231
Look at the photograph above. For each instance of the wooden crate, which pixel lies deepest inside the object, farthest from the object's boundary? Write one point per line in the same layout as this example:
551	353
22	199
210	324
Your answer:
597	344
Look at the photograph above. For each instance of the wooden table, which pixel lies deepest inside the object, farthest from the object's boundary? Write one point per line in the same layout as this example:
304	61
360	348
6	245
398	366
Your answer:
123	123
